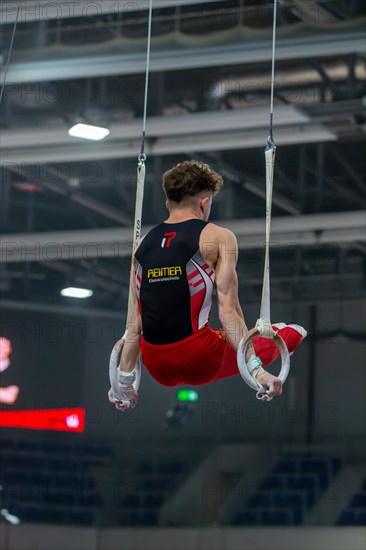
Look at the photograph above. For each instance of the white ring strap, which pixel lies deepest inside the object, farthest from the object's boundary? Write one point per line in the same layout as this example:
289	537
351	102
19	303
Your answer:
141	174
263	326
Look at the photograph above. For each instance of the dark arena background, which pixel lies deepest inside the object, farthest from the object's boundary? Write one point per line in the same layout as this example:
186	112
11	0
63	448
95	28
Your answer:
193	467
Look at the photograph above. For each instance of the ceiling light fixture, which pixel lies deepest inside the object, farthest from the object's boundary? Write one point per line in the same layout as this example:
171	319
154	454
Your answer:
73	292
11	518
87	131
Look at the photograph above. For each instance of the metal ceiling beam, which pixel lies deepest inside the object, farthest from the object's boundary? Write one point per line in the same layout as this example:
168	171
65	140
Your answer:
303	75
277	199
343	190
233	174
195	141
316	229
45	10
159	126
348	168
68	192
250	52
310	10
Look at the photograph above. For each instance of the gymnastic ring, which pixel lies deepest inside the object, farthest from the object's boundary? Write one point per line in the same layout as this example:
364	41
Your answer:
243	368
114	365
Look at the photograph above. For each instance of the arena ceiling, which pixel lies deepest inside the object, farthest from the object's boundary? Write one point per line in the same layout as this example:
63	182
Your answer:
209	100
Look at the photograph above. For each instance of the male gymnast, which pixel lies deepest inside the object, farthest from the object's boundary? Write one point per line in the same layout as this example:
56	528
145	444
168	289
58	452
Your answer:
176	267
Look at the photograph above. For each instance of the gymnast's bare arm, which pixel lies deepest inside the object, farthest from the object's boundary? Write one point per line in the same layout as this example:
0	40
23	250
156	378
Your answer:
223	243
131	348
230	312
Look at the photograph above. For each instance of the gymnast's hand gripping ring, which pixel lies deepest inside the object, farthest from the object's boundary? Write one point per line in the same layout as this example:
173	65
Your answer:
113	370
242	364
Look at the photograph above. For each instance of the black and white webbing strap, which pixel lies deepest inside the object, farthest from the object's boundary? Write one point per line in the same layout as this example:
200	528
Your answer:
114	375
263	326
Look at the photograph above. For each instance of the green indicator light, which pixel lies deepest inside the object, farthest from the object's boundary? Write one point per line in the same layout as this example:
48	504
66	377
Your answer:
183	395
187	395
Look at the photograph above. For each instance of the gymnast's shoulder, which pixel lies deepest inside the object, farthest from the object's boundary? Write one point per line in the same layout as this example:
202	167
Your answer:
217	233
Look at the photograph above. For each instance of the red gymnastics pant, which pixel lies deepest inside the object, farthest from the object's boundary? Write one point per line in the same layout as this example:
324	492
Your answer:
207	356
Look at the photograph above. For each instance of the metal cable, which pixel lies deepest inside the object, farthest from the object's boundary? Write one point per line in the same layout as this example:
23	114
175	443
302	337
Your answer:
273	71
9	54
142	156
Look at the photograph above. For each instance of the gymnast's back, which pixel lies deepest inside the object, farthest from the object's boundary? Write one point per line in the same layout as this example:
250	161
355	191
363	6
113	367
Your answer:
174	283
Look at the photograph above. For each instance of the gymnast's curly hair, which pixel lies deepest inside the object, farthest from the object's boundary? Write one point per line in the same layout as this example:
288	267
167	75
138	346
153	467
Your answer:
189	178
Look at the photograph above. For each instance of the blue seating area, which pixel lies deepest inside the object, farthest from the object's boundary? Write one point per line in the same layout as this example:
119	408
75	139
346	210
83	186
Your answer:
355	514
79	485
52	482
289	491
55	482
156	480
